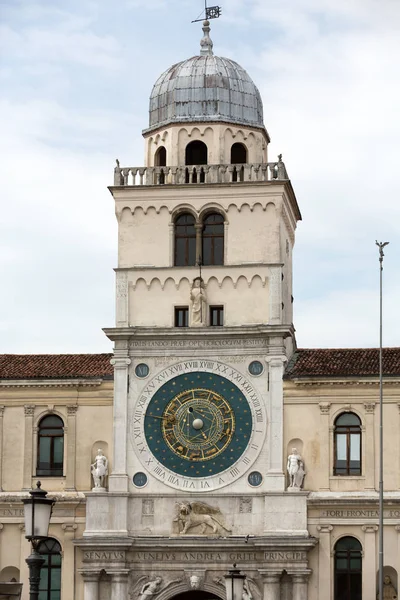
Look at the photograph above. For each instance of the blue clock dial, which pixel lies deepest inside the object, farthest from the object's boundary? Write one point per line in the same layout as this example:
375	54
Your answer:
198	424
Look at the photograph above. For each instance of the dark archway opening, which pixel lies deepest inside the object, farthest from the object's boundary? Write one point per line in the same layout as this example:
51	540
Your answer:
160	157
196	153
196	595
238	154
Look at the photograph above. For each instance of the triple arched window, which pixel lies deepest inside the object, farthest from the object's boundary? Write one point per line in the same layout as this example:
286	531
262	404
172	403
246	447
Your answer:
199	243
50	454
347	442
50	576
348	569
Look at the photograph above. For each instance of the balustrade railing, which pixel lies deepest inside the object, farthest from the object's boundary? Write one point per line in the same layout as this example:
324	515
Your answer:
137	176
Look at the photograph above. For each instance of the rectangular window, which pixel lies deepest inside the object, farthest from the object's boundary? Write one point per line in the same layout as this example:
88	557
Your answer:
216	316
181	316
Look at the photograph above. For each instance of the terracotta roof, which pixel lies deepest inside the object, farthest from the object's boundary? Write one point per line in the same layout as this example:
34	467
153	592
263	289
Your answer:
342	362
55	366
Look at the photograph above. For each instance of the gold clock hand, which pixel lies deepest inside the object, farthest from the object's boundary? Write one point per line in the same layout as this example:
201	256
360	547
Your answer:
169	418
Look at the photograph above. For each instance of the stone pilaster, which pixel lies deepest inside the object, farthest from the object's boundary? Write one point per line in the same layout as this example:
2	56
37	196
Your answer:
171	244
118	480
324	559
1	529
324	447
276	366
272	585
369	566
368	442
300	586
90	585
68	562
122	299
1	447
397	528
275	296
29	410
119	584
71	448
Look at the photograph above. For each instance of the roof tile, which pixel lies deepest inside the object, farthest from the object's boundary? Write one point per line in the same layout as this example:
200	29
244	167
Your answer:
55	366
342	362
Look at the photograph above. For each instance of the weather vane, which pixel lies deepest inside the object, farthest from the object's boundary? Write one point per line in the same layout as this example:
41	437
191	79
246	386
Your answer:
211	12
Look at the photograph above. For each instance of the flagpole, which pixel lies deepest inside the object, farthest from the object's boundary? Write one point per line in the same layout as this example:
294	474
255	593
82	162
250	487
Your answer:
381	246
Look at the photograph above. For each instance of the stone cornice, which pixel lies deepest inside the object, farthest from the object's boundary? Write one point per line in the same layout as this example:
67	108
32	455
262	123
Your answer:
253	332
51	383
336	382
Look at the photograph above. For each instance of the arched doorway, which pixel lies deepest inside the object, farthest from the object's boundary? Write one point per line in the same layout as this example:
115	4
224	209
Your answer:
160	157
196	595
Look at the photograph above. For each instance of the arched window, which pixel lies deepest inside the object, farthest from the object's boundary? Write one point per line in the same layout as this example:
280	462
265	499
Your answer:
213	240
238	154
348	569
50	447
185	241
347	445
160	157
50	576
196	153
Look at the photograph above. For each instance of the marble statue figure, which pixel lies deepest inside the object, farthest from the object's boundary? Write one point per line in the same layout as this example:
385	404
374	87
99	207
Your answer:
199	303
295	469
389	592
150	589
99	470
246	595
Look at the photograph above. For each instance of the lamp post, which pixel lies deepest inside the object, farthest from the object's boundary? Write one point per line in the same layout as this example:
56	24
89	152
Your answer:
37	512
234	582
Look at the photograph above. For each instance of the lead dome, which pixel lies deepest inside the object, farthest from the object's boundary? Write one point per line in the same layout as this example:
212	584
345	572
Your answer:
205	88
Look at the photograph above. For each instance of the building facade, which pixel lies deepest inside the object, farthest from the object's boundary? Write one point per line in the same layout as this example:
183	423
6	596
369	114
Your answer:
224	443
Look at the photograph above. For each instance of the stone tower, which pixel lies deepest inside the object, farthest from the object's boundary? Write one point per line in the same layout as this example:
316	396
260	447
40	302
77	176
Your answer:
203	331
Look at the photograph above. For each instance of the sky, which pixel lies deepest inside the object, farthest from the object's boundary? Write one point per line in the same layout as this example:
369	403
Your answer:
75	79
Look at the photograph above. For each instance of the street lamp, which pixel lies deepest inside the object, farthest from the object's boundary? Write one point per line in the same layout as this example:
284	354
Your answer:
234	582
37	511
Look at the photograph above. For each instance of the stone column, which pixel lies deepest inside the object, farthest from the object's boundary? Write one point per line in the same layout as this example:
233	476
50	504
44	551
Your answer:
369	566
119	585
90	585
272	585
324	447
324	560
71	448
300	586
118	480
368	449
1	447
276	368
29	410
68	562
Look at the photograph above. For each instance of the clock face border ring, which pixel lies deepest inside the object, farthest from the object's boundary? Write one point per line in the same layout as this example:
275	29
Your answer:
217	480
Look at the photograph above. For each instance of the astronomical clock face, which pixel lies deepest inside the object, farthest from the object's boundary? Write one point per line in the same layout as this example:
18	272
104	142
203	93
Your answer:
198	425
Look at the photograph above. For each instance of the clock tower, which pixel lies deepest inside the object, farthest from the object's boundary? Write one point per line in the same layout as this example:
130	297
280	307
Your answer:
203	332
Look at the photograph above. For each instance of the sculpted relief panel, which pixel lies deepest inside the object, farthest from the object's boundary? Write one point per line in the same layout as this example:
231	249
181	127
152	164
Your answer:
199	518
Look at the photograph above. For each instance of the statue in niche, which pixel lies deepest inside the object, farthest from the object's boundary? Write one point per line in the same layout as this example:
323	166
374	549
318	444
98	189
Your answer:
295	469
198	299
99	470
389	592
198	514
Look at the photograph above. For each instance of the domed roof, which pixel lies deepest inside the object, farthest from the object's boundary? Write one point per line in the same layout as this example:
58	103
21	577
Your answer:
205	88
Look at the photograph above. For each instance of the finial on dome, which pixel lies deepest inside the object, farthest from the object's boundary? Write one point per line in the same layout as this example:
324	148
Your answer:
206	44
